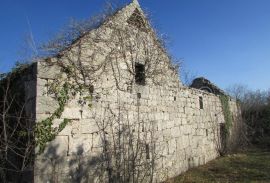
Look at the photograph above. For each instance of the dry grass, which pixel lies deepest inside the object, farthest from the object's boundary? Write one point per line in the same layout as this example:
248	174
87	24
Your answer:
245	167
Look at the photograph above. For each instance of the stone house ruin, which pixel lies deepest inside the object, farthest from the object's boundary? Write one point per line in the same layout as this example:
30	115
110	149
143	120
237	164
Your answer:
111	108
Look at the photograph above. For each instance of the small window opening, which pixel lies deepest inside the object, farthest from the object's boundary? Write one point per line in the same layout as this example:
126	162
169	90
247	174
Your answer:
129	89
47	88
174	98
136	20
140	73
91	89
139	95
201	102
206	132
81	112
147	149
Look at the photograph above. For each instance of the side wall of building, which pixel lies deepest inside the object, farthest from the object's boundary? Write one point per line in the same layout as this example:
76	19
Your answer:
186	133
182	124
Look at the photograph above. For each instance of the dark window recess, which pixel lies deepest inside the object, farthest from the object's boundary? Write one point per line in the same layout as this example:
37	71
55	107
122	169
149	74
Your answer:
47	87
91	89
81	111
137	20
147	151
140	74
174	98
129	89
139	95
201	102
207	132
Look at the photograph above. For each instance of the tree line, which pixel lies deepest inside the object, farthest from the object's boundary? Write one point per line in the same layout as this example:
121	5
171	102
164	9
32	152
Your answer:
255	105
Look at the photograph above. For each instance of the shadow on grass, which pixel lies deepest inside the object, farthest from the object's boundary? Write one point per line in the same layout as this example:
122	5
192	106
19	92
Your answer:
250	166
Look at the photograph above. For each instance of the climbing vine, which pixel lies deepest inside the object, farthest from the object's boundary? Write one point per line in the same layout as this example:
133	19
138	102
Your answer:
224	99
44	130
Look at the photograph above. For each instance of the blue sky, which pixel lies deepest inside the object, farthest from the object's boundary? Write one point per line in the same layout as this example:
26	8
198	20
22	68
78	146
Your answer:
226	41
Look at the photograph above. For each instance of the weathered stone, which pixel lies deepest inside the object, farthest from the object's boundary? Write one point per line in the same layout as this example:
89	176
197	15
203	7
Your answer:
48	71
164	113
46	105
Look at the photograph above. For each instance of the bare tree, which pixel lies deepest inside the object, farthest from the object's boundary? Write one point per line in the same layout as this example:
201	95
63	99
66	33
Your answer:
16	140
129	152
28	51
215	131
238	91
255	112
227	129
187	76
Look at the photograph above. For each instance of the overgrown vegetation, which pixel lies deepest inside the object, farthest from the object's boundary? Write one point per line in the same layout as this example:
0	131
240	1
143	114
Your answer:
250	166
224	99
255	112
44	132
16	137
127	147
128	154
19	137
74	30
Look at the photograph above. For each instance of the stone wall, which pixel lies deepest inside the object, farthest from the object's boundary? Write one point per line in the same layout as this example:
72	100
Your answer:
183	123
180	125
187	134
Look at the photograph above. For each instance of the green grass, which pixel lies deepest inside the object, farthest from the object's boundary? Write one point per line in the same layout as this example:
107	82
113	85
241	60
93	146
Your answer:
247	167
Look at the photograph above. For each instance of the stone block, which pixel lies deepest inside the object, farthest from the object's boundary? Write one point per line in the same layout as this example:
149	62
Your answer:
46	105
72	112
66	131
46	71
89	126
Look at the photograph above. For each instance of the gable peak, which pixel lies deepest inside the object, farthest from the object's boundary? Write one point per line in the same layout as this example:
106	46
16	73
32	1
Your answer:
135	2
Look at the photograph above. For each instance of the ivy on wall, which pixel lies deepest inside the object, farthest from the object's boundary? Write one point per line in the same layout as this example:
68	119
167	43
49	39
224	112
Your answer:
224	99
44	131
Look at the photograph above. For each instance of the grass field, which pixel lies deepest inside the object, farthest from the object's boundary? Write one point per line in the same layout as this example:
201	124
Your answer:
247	167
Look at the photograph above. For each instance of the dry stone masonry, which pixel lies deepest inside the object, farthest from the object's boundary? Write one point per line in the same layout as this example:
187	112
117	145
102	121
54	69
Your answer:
183	125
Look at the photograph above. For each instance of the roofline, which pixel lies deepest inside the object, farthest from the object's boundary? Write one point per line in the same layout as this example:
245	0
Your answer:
75	41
